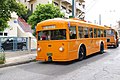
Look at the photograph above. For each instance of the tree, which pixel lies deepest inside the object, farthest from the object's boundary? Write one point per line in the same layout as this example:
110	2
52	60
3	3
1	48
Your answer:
6	8
44	12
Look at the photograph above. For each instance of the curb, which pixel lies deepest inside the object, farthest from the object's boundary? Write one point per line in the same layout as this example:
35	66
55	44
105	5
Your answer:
17	63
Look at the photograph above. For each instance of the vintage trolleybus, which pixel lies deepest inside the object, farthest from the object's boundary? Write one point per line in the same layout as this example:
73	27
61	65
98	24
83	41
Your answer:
68	39
112	37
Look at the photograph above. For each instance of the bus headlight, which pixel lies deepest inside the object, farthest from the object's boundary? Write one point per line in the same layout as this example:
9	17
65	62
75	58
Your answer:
61	49
39	49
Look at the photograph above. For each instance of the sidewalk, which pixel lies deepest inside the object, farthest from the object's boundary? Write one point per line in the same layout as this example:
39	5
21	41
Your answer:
18	57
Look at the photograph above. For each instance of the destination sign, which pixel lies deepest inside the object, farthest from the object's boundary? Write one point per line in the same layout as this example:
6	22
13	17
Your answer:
48	27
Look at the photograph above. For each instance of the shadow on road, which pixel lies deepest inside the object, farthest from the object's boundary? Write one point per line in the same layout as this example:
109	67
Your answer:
60	68
89	59
111	47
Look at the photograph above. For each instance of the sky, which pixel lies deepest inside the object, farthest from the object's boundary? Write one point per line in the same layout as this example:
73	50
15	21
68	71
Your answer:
108	9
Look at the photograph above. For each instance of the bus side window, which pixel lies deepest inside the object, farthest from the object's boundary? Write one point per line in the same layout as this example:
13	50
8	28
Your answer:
101	33
80	31
116	35
95	33
39	35
85	32
72	34
98	33
104	33
91	32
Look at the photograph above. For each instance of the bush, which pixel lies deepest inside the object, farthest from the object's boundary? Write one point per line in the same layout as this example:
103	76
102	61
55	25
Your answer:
2	58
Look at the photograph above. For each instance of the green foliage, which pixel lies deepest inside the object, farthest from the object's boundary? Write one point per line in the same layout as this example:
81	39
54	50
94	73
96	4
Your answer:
3	24
44	12
2	58
6	8
26	16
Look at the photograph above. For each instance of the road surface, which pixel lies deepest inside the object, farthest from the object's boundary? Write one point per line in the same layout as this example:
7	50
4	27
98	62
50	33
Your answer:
96	67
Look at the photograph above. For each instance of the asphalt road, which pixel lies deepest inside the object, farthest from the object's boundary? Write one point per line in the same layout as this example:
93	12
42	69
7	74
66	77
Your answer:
96	67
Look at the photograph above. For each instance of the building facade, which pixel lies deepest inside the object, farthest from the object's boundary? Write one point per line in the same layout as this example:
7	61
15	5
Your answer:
64	5
18	28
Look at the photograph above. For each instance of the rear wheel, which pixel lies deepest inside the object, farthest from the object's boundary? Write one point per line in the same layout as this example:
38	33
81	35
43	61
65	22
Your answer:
81	54
101	48
115	46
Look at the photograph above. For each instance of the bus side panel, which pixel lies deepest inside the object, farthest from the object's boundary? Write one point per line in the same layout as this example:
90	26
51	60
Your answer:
73	49
74	46
111	41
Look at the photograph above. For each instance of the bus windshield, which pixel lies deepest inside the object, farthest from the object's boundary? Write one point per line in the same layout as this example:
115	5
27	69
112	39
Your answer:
110	32
59	34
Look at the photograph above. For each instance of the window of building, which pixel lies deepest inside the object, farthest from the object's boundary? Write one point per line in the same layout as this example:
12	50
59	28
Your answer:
5	34
31	7
1	34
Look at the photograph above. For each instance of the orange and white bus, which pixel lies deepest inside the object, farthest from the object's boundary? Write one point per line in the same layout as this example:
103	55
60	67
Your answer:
68	39
112	37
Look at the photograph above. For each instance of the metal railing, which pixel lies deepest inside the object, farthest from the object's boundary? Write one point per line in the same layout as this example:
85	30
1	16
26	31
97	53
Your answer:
13	43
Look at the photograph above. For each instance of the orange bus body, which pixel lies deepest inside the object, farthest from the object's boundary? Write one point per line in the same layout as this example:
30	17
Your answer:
67	49
112	39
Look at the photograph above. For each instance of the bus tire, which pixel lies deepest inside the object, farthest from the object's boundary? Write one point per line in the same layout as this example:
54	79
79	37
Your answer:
82	54
115	46
101	48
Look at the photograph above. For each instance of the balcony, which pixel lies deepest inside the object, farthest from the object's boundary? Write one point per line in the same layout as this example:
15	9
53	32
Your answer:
29	0
80	7
67	1
80	1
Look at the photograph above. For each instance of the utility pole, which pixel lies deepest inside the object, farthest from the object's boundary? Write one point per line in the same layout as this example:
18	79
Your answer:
73	8
99	19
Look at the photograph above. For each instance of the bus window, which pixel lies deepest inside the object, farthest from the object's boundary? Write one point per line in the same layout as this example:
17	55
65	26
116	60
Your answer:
72	32
80	30
85	32
110	32
58	34
42	35
116	35
104	33
91	32
101	33
98	33
95	33
52	35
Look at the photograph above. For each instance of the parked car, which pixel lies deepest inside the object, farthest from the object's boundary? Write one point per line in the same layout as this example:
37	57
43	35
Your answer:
10	44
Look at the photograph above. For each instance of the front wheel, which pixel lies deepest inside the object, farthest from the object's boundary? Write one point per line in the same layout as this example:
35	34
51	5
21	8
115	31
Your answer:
81	54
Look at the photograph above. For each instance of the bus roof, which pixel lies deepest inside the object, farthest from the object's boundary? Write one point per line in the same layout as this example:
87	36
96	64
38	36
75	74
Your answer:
66	21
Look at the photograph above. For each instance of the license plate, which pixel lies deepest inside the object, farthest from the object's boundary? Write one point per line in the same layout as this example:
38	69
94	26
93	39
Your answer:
49	54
